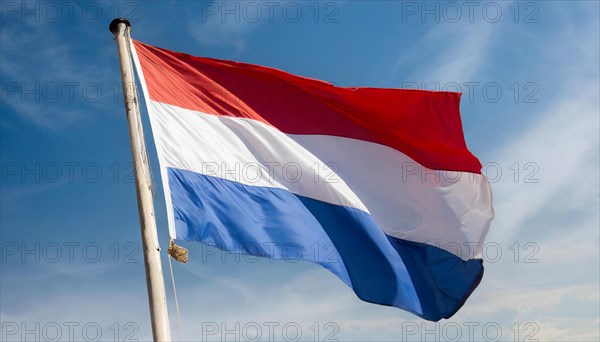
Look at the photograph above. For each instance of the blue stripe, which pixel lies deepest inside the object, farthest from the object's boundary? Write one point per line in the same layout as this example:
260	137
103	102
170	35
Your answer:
443	281
270	222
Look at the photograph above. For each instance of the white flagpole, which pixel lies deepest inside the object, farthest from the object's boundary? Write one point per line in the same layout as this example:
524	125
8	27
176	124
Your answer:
154	276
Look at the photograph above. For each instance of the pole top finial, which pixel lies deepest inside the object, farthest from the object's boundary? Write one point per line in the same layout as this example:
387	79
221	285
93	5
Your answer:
114	25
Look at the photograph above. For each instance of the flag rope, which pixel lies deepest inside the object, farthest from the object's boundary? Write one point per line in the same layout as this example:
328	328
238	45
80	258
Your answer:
175	295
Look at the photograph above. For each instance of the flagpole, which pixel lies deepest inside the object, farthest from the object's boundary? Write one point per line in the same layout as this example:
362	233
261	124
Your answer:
154	276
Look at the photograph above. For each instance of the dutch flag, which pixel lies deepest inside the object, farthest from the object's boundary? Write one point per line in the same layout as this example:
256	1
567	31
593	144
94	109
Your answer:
376	185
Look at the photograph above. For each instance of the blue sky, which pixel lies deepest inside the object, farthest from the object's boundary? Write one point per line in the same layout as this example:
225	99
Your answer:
70	242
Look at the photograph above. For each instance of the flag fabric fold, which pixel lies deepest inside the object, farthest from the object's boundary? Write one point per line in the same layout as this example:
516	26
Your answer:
375	185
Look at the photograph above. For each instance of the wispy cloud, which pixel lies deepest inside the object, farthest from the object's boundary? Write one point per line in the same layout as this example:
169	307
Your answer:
448	59
226	23
562	143
47	90
456	62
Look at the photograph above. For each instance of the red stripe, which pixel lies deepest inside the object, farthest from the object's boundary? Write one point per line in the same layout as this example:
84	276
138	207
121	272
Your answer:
424	125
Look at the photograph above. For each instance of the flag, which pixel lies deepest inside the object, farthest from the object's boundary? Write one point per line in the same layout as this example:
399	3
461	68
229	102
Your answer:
376	185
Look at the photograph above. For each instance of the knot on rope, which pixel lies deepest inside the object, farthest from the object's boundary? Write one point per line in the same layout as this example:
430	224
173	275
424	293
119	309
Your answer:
177	252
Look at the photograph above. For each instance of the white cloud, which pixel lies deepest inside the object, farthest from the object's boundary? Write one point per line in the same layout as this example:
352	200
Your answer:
455	52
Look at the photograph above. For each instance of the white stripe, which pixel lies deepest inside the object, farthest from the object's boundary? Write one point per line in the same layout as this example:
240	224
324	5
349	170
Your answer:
244	151
447	209
451	210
